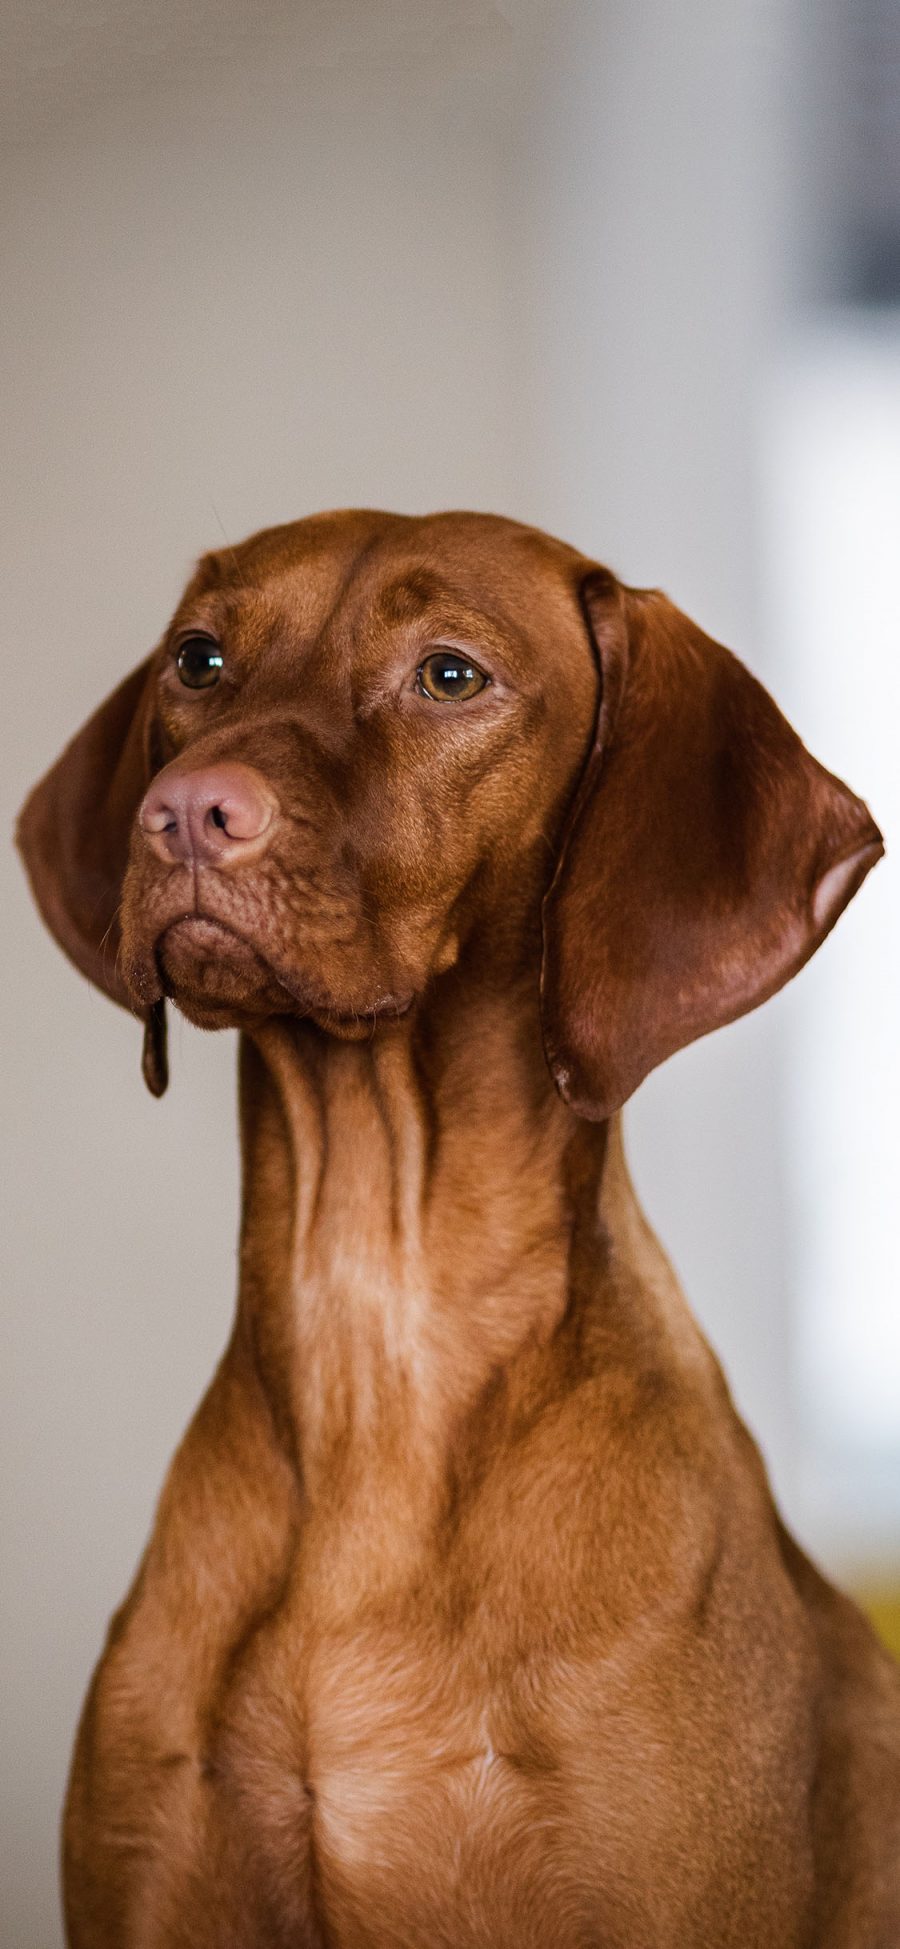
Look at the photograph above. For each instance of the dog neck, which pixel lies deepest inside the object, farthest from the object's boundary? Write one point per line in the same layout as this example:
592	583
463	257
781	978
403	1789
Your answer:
414	1206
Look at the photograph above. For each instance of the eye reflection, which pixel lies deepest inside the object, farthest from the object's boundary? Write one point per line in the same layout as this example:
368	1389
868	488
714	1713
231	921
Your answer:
199	662
448	677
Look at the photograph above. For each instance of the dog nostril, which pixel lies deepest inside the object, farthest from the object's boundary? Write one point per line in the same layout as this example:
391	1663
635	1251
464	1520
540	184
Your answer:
218	818
156	818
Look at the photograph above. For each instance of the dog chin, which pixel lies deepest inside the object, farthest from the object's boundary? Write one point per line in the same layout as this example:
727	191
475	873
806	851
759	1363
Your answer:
214	976
218	980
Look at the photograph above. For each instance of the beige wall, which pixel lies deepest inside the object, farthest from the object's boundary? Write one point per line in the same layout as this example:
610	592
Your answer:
233	302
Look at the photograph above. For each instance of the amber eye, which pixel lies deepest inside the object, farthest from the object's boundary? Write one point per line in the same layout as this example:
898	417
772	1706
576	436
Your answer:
199	662
447	677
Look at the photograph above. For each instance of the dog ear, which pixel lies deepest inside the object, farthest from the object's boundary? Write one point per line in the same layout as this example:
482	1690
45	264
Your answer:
705	858
74	833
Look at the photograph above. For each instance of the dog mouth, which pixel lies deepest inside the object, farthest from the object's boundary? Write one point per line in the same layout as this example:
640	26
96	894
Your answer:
216	976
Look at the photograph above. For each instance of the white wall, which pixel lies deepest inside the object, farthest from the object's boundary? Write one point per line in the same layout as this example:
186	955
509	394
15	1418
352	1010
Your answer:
834	465
654	242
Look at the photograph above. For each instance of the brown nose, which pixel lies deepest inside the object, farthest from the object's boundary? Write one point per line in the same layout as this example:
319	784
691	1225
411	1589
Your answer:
216	817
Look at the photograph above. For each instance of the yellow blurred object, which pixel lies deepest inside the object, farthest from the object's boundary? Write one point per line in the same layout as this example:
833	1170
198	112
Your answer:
883	1607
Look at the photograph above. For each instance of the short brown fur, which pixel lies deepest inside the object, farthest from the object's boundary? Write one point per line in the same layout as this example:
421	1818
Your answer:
467	1619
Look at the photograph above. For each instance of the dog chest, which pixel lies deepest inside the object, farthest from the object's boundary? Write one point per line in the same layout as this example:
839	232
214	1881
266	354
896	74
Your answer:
517	1801
433	1807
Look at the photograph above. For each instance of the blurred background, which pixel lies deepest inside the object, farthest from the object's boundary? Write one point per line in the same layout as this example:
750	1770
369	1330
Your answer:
629	272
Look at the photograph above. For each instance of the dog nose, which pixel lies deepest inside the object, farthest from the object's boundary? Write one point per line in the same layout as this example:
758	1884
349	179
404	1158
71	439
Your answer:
219	816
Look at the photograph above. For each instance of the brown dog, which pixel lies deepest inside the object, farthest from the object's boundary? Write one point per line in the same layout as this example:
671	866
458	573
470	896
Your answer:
467	1620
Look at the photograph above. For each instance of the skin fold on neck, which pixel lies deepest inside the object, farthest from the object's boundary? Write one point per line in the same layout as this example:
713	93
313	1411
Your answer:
420	1227
426	1228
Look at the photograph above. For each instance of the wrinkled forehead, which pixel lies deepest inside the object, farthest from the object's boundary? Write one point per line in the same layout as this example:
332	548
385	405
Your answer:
347	581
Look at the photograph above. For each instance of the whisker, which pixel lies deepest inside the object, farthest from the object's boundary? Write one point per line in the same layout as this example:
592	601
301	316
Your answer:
228	544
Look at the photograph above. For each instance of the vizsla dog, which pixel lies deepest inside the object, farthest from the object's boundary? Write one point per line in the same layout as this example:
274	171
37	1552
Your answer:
467	1621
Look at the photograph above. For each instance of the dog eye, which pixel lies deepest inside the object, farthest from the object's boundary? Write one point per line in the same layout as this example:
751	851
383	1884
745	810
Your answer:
447	677
199	662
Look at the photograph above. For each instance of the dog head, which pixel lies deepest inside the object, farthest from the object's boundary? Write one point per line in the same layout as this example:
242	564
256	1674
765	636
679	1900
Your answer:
370	747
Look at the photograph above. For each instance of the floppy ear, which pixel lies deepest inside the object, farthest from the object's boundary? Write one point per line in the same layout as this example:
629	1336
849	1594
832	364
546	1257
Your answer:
706	855
74	833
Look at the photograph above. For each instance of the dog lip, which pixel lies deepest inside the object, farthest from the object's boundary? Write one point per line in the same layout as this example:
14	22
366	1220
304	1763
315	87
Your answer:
361	1019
